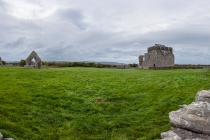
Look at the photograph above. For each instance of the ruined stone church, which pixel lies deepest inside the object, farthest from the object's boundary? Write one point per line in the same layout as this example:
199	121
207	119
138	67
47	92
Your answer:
30	63
157	56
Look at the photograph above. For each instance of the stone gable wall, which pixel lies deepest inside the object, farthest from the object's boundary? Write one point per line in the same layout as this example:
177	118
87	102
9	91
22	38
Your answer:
30	63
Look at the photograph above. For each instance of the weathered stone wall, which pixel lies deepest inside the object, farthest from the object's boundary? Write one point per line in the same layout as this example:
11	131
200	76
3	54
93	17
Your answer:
34	66
176	67
157	56
141	60
30	63
1	61
123	66
191	122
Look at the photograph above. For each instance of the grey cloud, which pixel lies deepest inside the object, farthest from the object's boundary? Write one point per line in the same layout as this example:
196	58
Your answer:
19	41
72	15
3	5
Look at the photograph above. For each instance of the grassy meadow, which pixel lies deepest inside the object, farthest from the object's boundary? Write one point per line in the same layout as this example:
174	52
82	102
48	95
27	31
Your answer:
93	103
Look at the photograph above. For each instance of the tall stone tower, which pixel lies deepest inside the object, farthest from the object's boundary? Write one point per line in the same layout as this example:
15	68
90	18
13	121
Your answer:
157	56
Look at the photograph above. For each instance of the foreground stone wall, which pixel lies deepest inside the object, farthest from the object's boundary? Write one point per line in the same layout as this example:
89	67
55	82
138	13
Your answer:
191	122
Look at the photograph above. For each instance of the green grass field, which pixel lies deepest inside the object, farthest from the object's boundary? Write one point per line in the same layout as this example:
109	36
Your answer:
93	103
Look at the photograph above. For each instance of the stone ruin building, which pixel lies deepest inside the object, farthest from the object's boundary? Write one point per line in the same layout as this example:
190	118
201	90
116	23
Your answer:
157	56
1	62
30	63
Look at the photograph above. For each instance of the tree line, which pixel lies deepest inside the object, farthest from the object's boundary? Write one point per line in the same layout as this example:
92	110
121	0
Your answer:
76	64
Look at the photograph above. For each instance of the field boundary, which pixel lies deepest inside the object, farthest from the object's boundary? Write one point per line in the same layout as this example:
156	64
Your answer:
178	67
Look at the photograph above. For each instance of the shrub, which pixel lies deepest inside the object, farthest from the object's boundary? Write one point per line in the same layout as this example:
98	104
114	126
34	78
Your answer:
133	65
86	65
99	65
70	64
22	63
3	62
51	63
45	63
75	64
91	64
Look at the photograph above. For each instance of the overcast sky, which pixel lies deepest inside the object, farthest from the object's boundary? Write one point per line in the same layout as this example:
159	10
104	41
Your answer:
104	30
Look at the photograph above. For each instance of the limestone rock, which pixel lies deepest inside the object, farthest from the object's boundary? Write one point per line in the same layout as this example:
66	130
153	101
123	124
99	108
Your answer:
1	136
170	135
194	117
203	95
189	135
191	122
